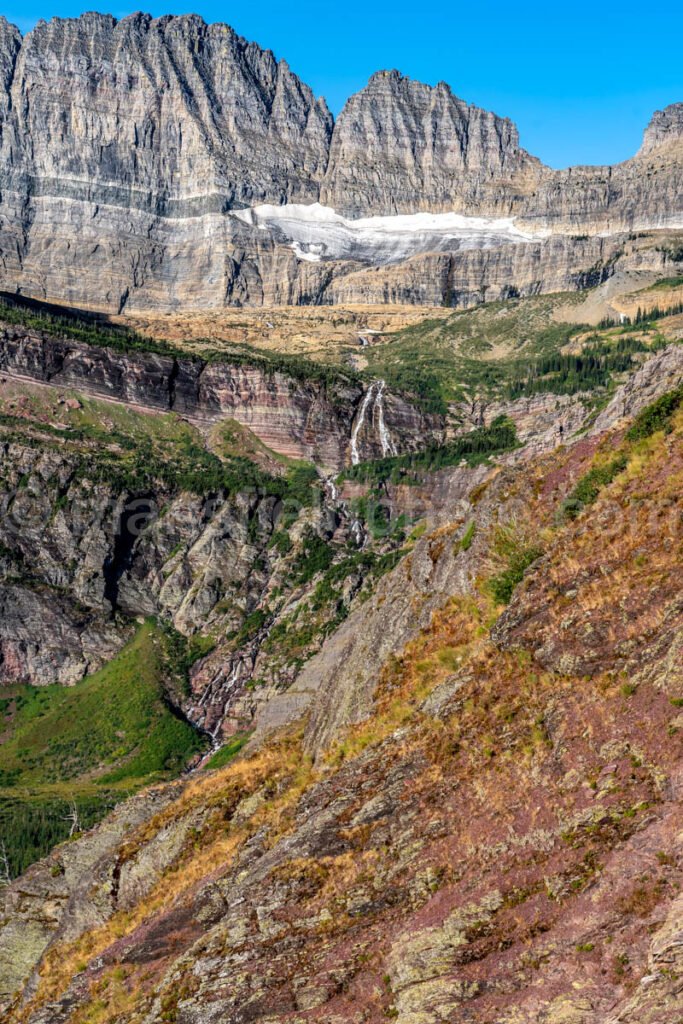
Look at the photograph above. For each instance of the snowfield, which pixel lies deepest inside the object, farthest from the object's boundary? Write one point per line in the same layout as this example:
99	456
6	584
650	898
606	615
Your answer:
317	232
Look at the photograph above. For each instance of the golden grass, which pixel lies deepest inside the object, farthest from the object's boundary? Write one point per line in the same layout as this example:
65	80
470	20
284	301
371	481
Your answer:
282	764
324	333
496	725
110	999
405	682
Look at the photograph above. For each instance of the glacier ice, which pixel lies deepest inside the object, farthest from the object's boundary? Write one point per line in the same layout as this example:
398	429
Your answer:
315	232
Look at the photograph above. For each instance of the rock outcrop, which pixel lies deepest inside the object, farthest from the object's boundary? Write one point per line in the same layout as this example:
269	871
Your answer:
470	277
400	146
665	127
299	418
64	901
491	829
127	147
43	641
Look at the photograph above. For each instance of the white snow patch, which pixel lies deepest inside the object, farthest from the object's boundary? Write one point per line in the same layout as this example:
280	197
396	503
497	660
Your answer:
316	232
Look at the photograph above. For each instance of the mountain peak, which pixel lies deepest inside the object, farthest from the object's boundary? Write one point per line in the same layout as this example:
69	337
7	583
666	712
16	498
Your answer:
665	126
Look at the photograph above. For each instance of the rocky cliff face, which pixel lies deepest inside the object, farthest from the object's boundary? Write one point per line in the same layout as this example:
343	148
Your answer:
171	116
665	127
81	558
297	418
190	119
637	195
125	148
468	278
400	146
490	827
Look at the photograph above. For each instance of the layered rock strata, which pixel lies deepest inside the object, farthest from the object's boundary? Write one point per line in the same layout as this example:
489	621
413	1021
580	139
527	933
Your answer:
127	147
297	418
507	847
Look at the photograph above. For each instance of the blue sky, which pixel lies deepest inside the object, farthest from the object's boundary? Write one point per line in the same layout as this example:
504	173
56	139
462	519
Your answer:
581	80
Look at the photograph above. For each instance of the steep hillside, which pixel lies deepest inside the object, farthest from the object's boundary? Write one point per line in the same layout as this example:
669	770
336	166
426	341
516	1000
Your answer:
341	549
69	754
479	817
300	409
240	558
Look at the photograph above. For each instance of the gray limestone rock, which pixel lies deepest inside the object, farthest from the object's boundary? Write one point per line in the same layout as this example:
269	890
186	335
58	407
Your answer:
128	147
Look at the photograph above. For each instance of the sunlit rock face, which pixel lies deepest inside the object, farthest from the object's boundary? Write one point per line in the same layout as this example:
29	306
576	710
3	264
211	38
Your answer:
401	146
665	127
165	164
301	419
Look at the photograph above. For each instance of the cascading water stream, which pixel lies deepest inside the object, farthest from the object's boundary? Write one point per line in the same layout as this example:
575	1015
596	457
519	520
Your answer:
376	392
358	424
331	488
388	446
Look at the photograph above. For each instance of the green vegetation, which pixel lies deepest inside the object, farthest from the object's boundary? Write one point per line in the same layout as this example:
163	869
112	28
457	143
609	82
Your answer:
192	468
93	330
371	565
567	374
315	556
645	317
468	536
89	329
31	825
500	349
230	439
296	637
667	282
673	252
281	542
375	515
120	712
252	625
90	744
589	486
70	753
182	652
228	751
653	418
516	554
296	367
510	349
474	447
470	352
134	451
657	416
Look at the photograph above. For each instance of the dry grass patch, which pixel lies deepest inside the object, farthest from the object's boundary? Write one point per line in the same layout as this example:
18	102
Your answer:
287	773
406	681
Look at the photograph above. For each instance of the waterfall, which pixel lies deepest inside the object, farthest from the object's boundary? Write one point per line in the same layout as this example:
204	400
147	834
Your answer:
358	534
226	695
376	391
358	423
388	446
331	487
